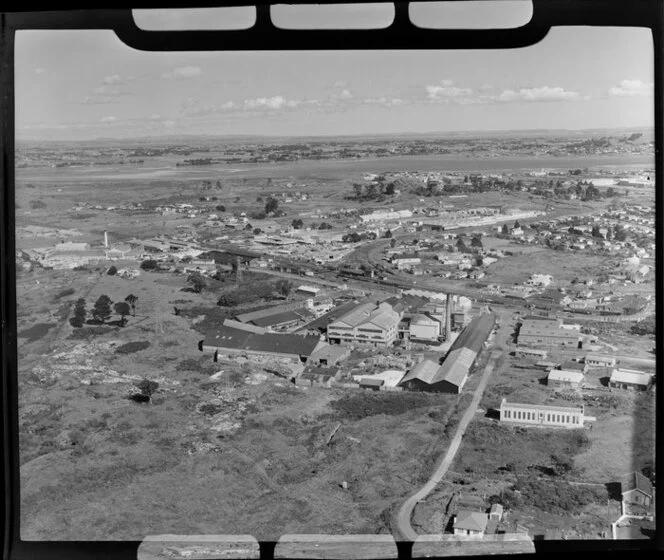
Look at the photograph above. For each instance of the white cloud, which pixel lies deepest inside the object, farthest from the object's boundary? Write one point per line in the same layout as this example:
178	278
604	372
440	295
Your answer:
193	108
631	88
154	117
108	119
183	72
168	124
40	70
96	99
384	101
114	79
274	103
544	93
339	84
448	91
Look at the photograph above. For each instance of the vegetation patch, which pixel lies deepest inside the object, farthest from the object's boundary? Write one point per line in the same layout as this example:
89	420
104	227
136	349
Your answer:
361	405
552	496
35	332
131	347
85	333
64	293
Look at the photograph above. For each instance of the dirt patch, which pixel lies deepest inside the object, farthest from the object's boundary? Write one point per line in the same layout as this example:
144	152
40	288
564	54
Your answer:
36	332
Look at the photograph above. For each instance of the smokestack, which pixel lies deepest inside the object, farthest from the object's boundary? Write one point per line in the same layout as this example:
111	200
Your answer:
105	239
448	317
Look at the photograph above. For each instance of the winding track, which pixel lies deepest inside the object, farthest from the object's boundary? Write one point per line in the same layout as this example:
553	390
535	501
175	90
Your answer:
401	521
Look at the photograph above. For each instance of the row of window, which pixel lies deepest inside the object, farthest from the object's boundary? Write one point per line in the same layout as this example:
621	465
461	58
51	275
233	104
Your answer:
526	415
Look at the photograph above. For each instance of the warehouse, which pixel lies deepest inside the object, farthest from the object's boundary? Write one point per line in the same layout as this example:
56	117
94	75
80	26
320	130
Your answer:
564	379
545	332
630	379
451	377
233	343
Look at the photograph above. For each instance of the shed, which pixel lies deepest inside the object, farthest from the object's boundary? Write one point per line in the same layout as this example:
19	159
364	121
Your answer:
496	512
370	383
630	379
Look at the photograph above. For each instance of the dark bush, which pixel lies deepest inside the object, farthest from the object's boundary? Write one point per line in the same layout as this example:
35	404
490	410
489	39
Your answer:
131	347
64	293
112	271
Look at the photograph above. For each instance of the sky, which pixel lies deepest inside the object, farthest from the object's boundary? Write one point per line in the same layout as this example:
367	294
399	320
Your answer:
77	85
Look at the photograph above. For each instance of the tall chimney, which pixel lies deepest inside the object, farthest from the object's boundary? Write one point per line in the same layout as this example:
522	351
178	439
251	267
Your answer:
106	239
448	317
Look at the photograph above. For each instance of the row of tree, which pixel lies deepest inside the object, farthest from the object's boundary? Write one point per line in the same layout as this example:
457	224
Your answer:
102	310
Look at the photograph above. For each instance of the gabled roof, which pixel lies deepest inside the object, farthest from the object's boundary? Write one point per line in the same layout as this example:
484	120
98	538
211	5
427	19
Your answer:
471	521
456	366
637	481
629	376
424	371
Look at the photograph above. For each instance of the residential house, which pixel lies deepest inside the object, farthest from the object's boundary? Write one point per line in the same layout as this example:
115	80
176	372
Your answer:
470	523
637	489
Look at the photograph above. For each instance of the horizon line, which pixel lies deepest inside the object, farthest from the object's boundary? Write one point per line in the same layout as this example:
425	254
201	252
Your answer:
17	138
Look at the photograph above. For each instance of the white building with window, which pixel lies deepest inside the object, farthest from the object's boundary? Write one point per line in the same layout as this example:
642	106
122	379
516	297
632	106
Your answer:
541	415
370	323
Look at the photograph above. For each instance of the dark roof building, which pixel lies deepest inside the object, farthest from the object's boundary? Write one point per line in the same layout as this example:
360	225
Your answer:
234	342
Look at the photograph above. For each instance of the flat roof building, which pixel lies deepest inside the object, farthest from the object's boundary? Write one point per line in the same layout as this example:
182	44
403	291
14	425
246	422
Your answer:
542	415
630	379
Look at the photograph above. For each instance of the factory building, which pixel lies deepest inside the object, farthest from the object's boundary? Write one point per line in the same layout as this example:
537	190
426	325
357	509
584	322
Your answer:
548	332
368	323
451	376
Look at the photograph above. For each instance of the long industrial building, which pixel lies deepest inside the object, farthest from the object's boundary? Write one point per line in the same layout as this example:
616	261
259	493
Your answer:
233	342
547	332
451	376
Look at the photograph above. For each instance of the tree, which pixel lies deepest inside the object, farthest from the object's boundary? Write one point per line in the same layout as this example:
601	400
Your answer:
197	282
149	264
476	242
220	208
147	388
297	223
595	232
357	190
122	308
102	308
610	192
112	271
271	205
258	231
505	230
619	233
388	234
131	299
325	225
516	224
461	246
389	189
78	320
284	287
393	243
248	227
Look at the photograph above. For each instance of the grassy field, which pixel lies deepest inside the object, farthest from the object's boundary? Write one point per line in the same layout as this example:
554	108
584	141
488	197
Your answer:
243	452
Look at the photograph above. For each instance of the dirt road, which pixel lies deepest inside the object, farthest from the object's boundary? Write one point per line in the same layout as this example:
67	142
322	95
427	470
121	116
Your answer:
402	528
